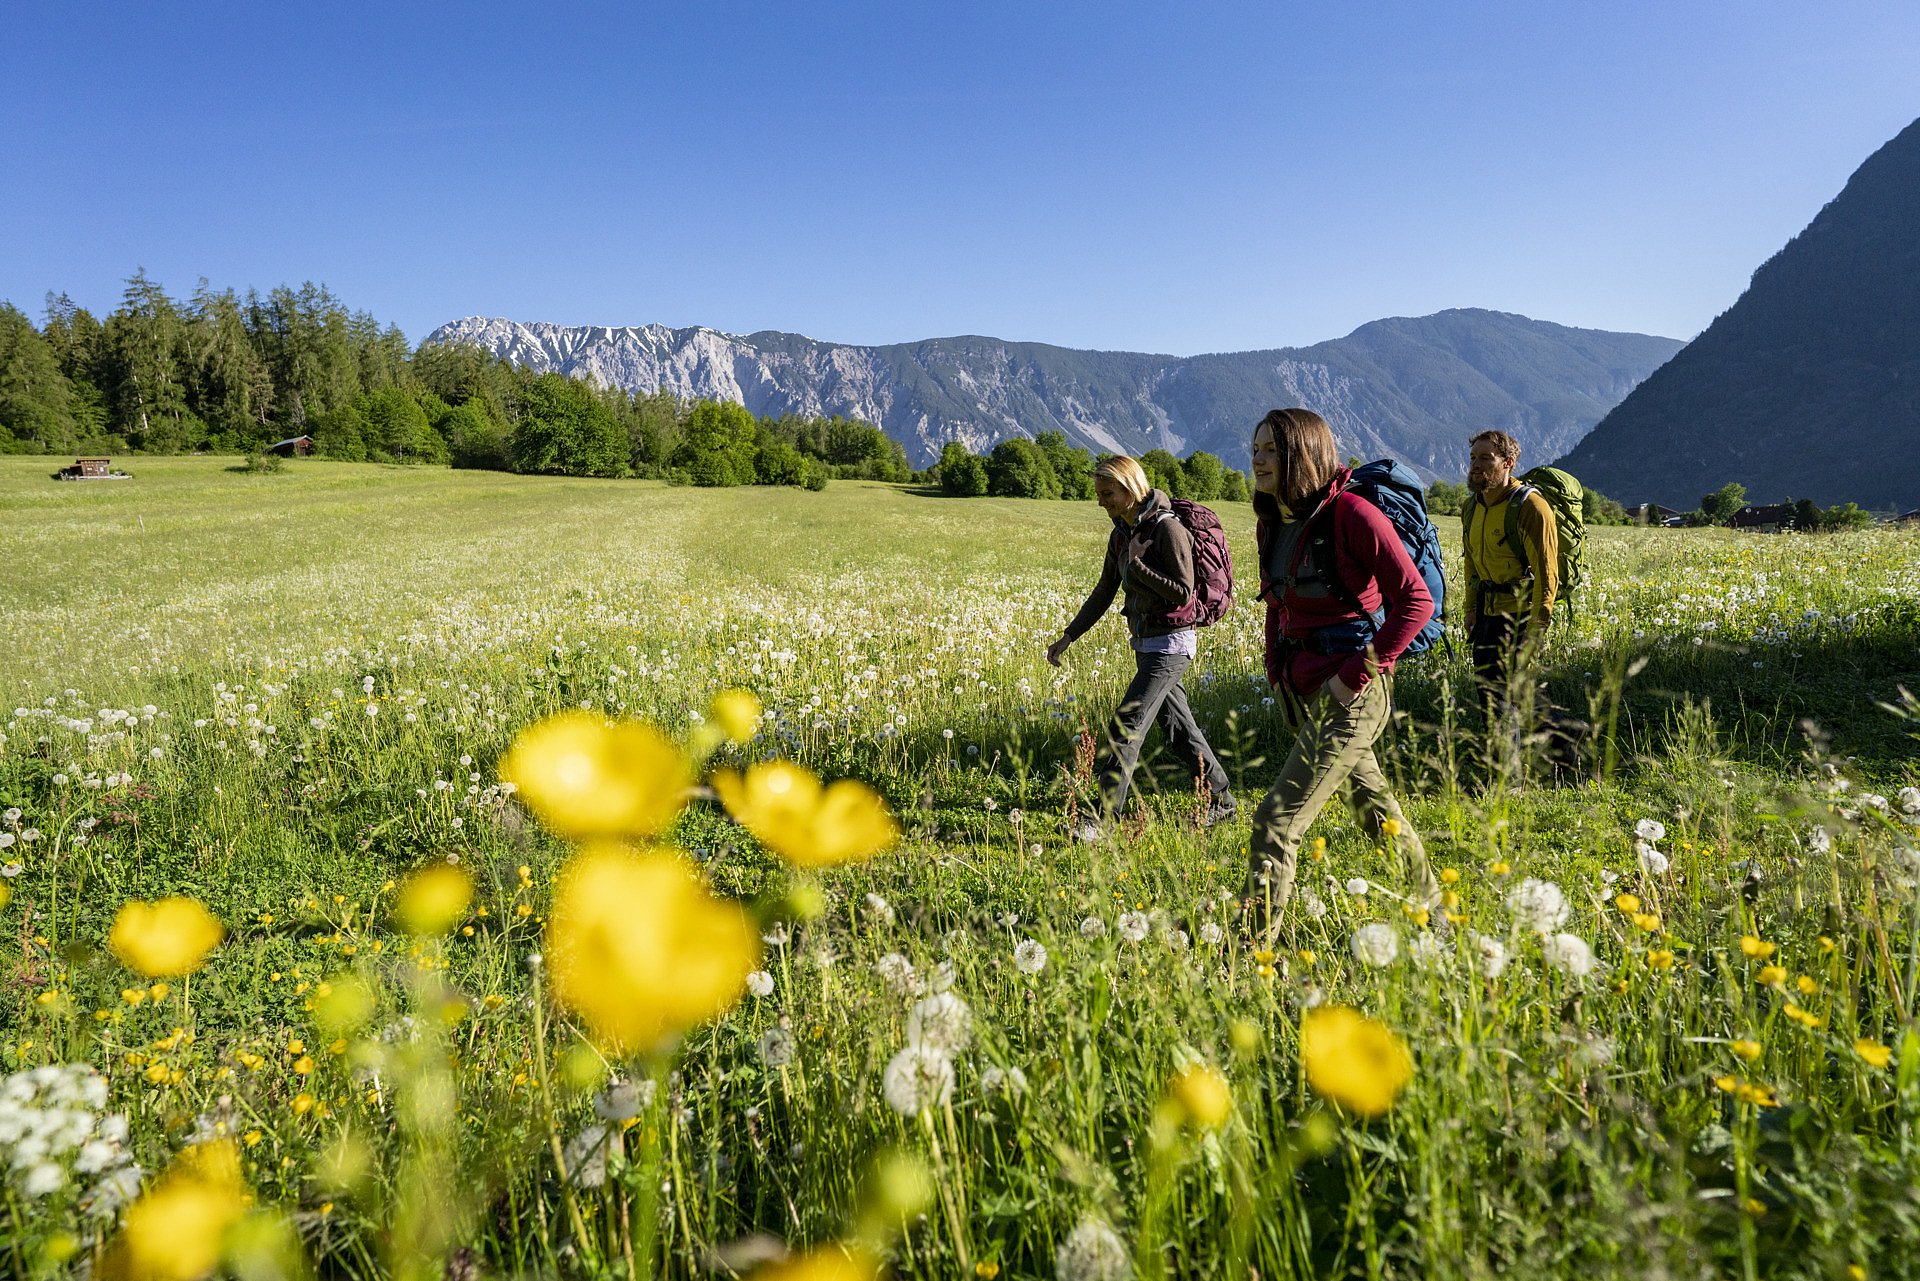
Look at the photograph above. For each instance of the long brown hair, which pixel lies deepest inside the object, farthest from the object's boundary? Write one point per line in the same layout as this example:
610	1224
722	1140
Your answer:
1308	457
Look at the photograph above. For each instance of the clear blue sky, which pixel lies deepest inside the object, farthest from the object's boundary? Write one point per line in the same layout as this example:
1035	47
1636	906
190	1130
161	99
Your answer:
1160	177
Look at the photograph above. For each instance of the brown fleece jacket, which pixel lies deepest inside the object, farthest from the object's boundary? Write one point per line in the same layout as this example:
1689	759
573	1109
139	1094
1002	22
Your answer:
1156	582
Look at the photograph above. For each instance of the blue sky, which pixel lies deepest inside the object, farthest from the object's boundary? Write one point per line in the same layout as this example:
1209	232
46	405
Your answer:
1149	177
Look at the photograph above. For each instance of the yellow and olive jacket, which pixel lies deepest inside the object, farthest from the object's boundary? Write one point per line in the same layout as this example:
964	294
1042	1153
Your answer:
1498	575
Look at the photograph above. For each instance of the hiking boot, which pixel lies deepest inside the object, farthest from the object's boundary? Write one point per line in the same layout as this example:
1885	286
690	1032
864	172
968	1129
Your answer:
1222	810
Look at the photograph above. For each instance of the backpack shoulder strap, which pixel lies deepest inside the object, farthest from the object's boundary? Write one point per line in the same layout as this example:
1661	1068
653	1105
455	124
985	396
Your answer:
1515	502
1330	571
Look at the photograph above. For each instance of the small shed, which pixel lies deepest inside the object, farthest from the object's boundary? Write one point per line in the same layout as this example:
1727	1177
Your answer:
1766	518
90	469
1654	514
292	447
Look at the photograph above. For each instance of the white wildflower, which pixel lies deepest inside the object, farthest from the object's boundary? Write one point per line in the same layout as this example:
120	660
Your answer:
1357	886
917	1078
760	983
1652	861
941	1021
1376	944
1651	830
879	911
1568	953
1492	954
776	1047
1029	957
1133	926
1093	1251
1538	905
1092	928
896	971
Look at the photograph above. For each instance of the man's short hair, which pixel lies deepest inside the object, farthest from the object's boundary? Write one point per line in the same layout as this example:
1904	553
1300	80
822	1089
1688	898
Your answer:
1504	445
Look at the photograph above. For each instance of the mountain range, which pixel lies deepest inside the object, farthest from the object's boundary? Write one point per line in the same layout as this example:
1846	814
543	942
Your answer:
1414	388
1809	385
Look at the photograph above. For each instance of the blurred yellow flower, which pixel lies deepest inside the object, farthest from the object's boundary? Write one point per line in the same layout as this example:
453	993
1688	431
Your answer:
1876	1054
1748	1050
1201	1096
585	778
736	713
164	939
1647	921
1752	946
788	810
641	949
433	899
1771	975
1628	903
174	1232
1353	1060
1390	828
826	1263
1660	958
1804	1018
1806	985
1500	867
1449	876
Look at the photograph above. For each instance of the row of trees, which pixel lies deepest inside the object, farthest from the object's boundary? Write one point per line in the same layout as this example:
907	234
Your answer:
1720	507
1049	467
230	373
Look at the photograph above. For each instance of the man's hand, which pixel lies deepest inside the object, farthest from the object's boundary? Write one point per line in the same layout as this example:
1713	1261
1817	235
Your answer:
1056	649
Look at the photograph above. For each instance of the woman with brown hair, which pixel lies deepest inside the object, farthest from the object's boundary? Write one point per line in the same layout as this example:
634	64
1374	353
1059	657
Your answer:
1343	601
1149	558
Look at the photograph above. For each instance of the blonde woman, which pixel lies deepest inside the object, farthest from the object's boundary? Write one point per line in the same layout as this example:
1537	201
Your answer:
1149	560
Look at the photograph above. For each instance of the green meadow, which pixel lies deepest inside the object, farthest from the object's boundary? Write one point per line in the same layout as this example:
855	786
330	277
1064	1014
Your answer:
1669	1032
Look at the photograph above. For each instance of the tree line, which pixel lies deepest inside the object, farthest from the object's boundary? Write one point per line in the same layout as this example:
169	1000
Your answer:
1048	466
235	373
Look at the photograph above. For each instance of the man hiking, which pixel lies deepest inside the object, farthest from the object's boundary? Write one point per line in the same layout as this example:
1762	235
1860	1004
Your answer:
1150	562
1511	542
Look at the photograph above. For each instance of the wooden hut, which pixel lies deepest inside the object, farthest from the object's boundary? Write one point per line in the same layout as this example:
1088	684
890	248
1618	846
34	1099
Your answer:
90	469
292	447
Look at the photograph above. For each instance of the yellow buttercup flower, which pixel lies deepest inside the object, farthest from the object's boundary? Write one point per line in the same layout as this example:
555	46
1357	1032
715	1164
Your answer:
1449	875
586	778
1353	1060
1748	1050
641	949
827	1263
1660	958
1201	1096
1752	946
1628	903
164	939
1876	1054
1804	1018
1647	921
174	1232
433	899
809	825
1771	975
736	714
1807	985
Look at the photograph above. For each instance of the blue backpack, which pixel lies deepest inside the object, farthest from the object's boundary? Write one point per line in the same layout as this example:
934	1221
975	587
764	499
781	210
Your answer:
1397	492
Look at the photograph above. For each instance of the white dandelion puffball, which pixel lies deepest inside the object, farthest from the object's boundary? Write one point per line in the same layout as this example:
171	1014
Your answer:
1211	933
1492	955
1315	906
1820	841
1425	951
1029	957
1376	944
896	971
624	1100
1910	800
1652	861
1092	928
776	1047
879	910
1538	905
586	1157
1568	953
1651	830
1357	886
940	1022
760	983
1011	1082
917	1078
942	977
1093	1251
1133	926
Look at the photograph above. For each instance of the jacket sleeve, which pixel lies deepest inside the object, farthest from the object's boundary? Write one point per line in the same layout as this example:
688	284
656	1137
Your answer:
1366	537
1541	534
1469	563
1101	598
1172	547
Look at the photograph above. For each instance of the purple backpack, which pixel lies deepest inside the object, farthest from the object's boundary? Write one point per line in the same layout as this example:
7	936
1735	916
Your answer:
1212	567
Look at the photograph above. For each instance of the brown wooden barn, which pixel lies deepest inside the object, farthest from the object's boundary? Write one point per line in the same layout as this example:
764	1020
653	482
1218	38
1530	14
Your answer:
292	447
89	469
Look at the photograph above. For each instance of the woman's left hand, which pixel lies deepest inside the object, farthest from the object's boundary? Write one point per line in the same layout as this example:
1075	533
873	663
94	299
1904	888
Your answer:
1339	691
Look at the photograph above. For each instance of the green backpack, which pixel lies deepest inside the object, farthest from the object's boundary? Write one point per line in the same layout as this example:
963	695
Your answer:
1566	496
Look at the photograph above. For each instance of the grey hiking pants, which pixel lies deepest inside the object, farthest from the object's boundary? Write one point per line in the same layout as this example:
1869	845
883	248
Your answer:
1155	693
1331	745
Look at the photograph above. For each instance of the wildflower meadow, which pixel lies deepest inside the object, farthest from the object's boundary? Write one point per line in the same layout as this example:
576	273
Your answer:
437	874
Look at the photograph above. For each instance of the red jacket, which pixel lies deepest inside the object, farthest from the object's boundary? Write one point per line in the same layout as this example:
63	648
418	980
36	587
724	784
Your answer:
1373	565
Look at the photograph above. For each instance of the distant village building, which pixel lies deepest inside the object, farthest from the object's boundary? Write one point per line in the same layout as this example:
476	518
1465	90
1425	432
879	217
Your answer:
1655	514
292	447
1765	519
90	469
